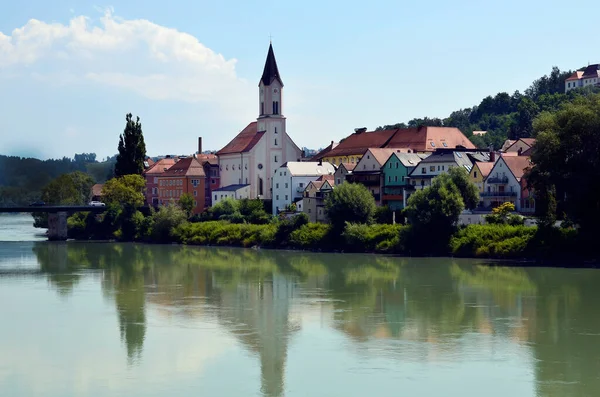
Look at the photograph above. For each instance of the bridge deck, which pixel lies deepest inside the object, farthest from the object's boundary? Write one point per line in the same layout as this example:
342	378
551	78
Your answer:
54	208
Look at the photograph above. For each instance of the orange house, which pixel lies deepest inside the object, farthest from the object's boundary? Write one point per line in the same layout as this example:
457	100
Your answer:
185	176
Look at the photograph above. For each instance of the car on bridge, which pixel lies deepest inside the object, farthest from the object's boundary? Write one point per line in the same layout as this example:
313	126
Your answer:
96	204
37	204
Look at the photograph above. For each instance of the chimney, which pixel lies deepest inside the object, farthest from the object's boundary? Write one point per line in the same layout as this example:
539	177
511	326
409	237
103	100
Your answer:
492	156
520	151
320	161
199	145
360	130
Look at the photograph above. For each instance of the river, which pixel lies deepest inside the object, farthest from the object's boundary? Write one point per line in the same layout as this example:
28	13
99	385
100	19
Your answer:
100	319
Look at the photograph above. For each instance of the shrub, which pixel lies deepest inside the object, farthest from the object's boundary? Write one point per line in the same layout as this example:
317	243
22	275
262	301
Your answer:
374	238
310	236
286	226
349	202
76	226
165	220
224	233
499	241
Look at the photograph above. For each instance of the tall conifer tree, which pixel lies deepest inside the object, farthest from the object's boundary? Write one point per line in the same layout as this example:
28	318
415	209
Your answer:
132	149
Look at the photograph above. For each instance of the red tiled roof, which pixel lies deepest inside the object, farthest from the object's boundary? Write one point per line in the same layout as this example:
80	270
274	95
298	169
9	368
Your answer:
188	166
150	161
324	178
323	152
529	141
207	158
517	165
161	166
349	166
97	189
244	141
484	167
382	155
427	139
575	76
416	139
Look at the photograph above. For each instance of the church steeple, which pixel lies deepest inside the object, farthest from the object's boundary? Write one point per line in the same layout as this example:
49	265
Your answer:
270	72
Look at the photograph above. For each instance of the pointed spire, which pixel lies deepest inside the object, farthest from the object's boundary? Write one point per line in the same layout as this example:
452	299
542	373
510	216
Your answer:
271	72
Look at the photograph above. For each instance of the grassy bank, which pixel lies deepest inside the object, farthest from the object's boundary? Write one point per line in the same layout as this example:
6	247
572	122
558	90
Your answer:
499	241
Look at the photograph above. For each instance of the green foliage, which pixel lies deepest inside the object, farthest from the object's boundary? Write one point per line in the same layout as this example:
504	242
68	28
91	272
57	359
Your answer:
468	190
68	189
383	215
124	190
349	202
286	226
567	163
310	236
239	211
224	233
225	207
186	202
374	238
132	149
165	221
501	215
498	241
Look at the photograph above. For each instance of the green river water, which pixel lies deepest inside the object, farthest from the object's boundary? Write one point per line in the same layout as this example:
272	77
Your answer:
104	319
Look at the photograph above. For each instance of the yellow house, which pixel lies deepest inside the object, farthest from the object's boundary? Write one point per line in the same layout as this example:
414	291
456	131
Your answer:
479	172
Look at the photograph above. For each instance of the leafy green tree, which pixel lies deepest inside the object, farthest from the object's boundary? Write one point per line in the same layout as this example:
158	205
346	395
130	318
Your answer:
567	162
124	190
467	189
186	202
349	202
165	220
433	214
225	207
132	149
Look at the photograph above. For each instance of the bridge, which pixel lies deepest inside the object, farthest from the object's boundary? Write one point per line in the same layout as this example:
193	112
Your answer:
57	216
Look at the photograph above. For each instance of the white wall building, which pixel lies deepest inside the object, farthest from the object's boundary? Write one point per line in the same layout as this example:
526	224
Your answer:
236	192
290	180
590	76
503	183
253	155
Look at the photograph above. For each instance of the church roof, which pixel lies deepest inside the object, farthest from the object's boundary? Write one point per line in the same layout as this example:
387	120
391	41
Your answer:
244	141
271	72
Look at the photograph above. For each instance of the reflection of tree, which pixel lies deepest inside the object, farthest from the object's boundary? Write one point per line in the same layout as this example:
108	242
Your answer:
60	264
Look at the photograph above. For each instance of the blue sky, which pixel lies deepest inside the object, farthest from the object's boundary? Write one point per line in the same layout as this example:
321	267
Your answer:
71	70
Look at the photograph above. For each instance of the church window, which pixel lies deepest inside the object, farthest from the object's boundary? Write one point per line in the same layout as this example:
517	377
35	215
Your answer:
275	158
262	108
275	107
275	141
276	130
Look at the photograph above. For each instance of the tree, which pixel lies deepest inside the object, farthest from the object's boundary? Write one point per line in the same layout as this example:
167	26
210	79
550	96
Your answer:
127	190
433	214
132	149
186	202
349	202
567	163
468	190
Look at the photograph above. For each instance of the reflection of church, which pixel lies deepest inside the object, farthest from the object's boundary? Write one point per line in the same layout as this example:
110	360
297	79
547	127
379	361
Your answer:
257	314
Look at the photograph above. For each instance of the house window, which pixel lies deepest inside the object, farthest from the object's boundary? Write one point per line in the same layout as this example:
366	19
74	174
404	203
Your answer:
373	166
284	173
301	184
277	186
432	168
390	165
195	193
286	185
396	178
277	197
338	181
443	166
246	181
309	210
227	167
364	166
432	144
439	168
389	178
397	164
212	181
155	179
195	203
286	197
402	179
475	174
423	171
215	197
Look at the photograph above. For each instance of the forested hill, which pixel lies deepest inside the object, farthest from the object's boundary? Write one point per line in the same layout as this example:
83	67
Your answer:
22	179
507	116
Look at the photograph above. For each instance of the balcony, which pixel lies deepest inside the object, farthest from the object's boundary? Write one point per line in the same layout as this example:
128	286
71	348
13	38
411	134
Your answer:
498	194
497	180
393	197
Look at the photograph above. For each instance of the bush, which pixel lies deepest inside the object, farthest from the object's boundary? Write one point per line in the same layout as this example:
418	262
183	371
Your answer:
224	233
349	202
498	241
374	238
310	236
383	215
76	226
165	220
286	226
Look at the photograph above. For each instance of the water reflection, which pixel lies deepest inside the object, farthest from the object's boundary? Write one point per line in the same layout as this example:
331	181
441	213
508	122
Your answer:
440	309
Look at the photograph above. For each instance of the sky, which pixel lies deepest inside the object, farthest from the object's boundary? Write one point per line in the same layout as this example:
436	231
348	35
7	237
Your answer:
70	70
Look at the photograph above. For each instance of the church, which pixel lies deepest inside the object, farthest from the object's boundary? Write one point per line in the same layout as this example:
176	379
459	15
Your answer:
247	163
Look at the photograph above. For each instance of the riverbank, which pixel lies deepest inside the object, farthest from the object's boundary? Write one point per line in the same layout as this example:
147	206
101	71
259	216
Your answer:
493	241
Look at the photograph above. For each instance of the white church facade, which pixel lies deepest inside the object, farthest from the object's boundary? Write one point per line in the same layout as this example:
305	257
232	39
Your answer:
252	157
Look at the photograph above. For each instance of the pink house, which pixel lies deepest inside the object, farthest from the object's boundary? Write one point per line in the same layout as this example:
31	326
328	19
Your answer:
151	175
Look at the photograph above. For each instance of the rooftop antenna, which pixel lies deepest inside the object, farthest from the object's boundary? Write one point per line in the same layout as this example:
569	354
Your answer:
271	40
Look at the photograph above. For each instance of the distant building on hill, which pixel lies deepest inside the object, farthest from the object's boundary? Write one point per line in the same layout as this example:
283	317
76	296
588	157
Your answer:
590	76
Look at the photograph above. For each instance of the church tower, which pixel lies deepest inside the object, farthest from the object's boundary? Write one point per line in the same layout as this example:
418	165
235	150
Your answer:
272	122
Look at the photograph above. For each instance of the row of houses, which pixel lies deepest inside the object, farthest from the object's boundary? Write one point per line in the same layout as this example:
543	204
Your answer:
392	175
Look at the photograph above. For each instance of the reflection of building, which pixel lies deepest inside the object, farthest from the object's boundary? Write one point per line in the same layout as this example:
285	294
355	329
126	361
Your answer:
258	314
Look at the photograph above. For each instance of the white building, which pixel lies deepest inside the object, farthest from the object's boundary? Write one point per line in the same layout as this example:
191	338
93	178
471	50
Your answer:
290	180
255	153
503	183
590	76
236	192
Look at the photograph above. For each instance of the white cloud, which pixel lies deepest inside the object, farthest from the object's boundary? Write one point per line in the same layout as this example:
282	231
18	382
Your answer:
157	62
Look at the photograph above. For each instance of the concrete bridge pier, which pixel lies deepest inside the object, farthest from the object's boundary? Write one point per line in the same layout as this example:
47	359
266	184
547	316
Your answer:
57	226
